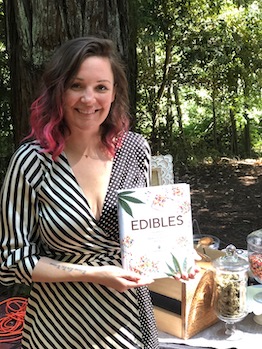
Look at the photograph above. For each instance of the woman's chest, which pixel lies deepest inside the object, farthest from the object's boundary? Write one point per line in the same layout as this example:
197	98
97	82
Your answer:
93	177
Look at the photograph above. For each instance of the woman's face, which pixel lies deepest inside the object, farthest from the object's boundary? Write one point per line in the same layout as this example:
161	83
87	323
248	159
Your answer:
88	99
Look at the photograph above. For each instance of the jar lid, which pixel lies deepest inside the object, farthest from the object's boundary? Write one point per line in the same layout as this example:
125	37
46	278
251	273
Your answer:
255	237
231	261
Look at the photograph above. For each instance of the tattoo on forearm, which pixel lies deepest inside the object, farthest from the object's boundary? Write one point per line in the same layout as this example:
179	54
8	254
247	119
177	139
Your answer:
66	268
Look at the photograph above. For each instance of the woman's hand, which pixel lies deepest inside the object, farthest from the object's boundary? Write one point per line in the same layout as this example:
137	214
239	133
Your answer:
187	276
194	270
118	278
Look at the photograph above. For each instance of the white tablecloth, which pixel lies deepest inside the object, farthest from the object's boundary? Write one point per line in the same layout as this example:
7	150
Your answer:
212	337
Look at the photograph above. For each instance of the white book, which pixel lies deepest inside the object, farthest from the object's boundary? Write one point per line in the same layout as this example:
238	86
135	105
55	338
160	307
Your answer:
156	234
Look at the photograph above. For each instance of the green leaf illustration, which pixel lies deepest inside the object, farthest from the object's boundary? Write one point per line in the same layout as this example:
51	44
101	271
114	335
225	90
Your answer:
125	207
185	264
175	269
124	198
176	264
169	274
172	270
131	199
126	192
190	270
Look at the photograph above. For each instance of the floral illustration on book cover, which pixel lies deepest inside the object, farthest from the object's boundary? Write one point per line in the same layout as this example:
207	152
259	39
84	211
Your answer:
155	225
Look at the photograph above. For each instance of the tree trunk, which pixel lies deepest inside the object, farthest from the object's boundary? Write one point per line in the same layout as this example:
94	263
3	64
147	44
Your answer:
247	137
234	144
247	140
214	117
182	143
155	139
169	120
36	27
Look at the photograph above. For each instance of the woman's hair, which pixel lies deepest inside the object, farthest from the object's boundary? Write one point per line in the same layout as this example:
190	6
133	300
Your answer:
47	121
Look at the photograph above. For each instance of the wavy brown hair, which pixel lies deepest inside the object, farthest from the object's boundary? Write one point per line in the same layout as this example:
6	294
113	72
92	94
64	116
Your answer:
47	121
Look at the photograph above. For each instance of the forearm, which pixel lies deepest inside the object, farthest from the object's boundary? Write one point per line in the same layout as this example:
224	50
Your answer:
50	270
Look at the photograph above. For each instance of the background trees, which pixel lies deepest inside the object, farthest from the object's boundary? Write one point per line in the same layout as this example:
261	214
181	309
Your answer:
36	27
200	77
196	92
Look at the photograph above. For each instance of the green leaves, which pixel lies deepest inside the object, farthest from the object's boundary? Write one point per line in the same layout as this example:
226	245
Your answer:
124	198
197	61
176	269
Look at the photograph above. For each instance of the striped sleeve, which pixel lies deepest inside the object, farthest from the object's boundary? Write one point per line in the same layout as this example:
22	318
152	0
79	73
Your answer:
18	218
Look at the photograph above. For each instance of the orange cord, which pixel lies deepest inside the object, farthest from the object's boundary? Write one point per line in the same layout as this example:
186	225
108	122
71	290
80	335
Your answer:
11	325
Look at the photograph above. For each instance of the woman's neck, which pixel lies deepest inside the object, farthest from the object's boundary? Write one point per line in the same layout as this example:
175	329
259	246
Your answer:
85	145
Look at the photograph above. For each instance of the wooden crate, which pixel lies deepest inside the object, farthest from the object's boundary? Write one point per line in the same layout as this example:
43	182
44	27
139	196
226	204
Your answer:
183	309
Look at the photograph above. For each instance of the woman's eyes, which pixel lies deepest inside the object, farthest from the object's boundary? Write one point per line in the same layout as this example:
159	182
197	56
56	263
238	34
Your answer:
101	88
77	86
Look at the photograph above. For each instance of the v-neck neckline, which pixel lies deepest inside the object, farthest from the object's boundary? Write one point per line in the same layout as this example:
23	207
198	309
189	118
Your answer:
81	191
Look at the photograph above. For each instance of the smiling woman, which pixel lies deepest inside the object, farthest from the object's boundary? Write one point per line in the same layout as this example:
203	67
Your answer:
87	103
88	99
59	208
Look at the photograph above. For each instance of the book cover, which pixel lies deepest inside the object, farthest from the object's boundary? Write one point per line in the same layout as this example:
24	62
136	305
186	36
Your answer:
155	226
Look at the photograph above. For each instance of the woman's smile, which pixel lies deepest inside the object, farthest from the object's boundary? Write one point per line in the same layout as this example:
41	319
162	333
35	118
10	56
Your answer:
90	94
86	112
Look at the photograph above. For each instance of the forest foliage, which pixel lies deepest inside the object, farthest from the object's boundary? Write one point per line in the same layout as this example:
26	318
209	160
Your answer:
199	79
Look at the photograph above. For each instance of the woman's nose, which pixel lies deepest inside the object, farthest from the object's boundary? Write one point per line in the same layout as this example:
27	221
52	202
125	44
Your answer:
87	96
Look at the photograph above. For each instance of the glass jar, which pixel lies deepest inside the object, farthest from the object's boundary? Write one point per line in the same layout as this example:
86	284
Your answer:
254	247
231	276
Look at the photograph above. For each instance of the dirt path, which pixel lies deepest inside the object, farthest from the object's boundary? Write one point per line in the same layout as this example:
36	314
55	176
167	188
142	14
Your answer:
226	198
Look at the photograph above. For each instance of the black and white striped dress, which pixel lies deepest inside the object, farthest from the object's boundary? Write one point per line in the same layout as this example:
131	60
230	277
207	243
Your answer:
45	213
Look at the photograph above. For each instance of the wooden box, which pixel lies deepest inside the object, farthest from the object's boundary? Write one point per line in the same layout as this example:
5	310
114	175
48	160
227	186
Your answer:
184	309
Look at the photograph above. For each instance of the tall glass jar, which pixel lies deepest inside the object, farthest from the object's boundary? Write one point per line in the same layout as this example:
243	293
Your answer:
254	247
231	276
